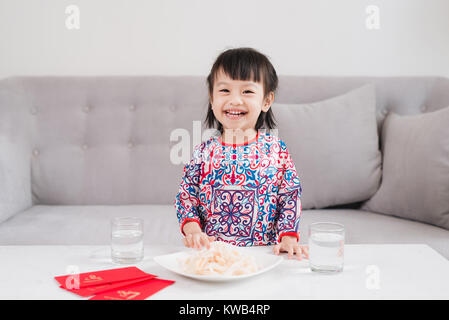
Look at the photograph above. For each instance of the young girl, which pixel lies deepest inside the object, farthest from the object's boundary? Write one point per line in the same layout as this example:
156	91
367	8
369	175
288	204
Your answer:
241	186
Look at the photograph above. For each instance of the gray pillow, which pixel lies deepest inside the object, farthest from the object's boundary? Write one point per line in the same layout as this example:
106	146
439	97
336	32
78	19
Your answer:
415	178
335	147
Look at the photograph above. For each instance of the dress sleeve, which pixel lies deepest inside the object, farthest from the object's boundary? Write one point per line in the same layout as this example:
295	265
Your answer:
289	199
187	199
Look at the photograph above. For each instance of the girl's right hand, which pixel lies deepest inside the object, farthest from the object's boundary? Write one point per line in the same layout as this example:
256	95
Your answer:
198	240
194	237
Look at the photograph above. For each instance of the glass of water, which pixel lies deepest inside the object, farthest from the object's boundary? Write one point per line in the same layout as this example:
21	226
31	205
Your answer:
326	247
126	240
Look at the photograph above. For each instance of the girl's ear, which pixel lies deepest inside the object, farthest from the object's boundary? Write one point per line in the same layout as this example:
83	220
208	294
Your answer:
268	102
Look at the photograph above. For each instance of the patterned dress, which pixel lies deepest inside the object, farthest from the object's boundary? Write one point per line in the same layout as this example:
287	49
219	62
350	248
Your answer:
244	194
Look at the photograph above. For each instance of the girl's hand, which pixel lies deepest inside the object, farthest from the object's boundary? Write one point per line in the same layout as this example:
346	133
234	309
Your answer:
290	244
194	237
198	240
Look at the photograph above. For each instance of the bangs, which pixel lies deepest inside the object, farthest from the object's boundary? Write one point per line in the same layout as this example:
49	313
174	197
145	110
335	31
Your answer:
244	65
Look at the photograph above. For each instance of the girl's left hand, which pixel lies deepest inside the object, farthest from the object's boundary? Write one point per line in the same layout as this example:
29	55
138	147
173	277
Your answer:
290	245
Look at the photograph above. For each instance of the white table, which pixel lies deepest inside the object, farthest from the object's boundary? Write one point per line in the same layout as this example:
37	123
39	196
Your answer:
371	272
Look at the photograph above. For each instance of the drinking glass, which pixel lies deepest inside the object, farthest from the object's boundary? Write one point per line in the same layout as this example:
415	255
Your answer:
326	247
126	240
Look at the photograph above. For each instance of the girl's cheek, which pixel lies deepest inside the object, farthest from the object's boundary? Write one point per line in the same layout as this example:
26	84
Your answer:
218	101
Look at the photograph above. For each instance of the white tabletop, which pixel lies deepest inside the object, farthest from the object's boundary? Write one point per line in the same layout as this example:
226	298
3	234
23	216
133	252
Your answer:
381	271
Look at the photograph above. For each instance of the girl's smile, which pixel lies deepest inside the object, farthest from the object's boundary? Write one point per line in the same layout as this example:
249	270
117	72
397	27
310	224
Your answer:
235	114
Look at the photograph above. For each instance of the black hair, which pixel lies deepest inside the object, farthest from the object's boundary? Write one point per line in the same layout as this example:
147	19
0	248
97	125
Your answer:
249	65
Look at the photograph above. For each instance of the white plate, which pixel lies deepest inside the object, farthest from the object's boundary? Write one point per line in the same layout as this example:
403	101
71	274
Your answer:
264	260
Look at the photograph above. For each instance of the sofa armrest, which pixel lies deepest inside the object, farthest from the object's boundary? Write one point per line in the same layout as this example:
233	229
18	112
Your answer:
15	169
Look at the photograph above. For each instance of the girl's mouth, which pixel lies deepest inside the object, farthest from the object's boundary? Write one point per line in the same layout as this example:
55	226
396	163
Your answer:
234	115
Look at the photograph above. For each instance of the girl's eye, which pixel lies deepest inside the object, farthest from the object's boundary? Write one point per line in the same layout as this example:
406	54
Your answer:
246	91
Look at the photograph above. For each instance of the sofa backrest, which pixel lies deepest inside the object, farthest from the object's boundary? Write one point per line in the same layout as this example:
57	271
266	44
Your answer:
117	140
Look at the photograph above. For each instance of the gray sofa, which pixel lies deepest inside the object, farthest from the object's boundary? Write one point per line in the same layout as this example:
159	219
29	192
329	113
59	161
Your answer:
77	151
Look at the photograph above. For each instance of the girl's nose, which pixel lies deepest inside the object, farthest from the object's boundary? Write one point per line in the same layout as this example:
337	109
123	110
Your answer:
236	99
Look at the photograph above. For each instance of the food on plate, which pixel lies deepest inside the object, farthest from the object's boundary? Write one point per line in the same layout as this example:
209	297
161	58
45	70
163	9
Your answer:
220	259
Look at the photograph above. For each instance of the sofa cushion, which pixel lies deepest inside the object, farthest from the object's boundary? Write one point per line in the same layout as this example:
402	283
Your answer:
415	178
15	173
334	145
83	225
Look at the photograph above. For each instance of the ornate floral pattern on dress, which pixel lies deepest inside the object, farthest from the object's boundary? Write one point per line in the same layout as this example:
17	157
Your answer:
241	194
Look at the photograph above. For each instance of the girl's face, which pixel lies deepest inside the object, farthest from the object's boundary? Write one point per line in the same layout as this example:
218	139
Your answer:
236	104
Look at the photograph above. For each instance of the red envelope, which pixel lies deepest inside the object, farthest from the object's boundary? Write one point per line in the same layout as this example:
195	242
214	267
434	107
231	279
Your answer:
97	278
139	291
93	290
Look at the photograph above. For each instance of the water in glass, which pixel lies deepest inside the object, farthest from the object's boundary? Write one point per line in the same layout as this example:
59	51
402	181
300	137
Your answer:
326	248
127	240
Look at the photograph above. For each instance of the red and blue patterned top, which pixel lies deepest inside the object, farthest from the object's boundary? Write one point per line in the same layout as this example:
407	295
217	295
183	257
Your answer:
244	194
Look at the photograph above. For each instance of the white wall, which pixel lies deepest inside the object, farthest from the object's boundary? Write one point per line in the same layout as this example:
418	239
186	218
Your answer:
182	37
